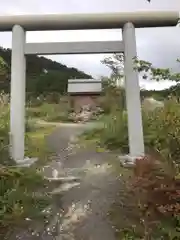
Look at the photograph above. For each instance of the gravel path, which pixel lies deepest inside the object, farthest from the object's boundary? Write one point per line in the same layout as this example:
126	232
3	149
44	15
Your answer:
86	205
81	211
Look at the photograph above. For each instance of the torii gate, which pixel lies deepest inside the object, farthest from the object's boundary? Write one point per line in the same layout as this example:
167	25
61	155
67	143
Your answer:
126	21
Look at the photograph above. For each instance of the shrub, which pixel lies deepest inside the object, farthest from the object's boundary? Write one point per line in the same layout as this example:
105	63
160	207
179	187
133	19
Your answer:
20	197
22	190
30	125
113	99
42	111
34	101
161	131
113	134
4	135
49	112
155	189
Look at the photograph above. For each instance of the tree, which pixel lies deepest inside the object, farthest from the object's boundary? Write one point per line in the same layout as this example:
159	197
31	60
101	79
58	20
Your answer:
52	81
153	73
116	65
147	70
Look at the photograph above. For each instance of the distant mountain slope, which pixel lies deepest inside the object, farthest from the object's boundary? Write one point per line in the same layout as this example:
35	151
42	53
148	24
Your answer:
42	74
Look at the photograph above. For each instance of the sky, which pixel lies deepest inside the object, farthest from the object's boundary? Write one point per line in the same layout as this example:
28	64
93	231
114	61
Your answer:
161	46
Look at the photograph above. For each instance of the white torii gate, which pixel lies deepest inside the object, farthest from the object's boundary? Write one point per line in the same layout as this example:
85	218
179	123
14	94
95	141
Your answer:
126	21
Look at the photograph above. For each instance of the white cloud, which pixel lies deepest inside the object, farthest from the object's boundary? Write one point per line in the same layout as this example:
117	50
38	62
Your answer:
158	45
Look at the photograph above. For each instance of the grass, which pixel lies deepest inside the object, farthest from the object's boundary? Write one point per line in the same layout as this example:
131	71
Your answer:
24	191
49	112
125	217
28	182
36	143
123	212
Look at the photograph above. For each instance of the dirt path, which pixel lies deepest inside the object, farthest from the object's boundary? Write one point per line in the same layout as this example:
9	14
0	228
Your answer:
81	207
86	205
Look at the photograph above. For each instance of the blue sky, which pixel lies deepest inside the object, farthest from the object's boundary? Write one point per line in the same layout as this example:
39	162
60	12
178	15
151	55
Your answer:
161	46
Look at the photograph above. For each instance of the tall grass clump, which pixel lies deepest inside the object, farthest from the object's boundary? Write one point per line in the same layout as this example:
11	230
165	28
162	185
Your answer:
114	134
161	131
22	190
4	135
51	112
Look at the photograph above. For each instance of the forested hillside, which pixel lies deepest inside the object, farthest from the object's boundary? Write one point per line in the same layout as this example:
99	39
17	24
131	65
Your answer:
43	75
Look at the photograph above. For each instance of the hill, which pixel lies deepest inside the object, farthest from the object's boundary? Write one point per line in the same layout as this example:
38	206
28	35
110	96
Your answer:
162	94
42	74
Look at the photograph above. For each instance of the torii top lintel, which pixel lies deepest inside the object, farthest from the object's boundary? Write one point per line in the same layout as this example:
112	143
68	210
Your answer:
89	21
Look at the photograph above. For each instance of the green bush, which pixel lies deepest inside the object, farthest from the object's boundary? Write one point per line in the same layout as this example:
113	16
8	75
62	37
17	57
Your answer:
30	125
4	135
113	99
40	112
161	131
20	196
49	112
33	100
113	134
22	190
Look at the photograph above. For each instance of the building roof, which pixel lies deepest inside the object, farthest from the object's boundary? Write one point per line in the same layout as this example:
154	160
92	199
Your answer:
84	86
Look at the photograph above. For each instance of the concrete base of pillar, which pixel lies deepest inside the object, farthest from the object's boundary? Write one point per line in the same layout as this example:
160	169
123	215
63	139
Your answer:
128	161
27	162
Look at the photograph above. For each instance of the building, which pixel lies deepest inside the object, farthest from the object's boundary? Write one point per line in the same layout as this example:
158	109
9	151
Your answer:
84	93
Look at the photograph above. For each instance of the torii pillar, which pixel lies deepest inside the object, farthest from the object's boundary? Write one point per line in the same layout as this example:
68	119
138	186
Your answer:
133	102
17	106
